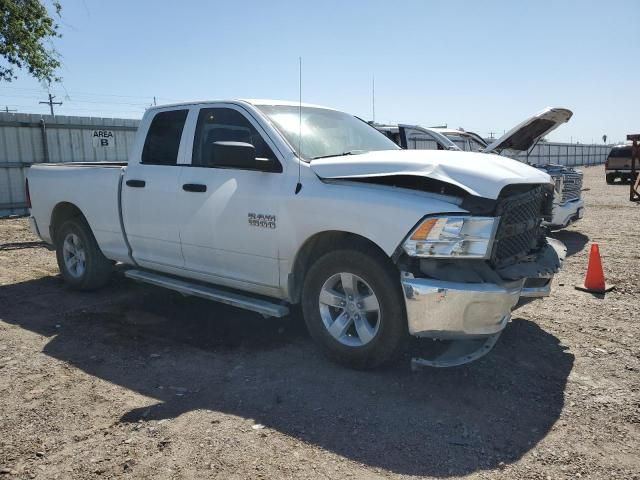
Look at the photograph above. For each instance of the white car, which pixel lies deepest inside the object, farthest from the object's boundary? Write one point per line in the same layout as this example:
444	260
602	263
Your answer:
568	205
266	204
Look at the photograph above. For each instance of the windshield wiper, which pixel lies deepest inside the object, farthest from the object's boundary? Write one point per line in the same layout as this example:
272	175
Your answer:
343	154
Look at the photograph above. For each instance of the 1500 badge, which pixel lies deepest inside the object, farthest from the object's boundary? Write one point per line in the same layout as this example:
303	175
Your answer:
262	220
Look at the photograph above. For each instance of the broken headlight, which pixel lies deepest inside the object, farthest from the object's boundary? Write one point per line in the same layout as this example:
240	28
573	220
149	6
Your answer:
446	237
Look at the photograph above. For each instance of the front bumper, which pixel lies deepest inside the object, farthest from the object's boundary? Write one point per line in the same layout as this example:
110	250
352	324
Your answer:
454	311
564	215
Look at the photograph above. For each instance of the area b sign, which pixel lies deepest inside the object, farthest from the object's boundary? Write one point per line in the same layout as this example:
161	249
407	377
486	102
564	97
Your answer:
102	138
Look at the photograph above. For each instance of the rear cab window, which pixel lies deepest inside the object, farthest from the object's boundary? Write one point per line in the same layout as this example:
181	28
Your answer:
620	152
163	138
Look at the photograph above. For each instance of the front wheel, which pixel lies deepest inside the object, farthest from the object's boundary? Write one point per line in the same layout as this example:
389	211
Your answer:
81	263
354	309
610	179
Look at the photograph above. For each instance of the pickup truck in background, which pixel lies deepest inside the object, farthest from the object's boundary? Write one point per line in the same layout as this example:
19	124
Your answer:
568	205
618	164
267	204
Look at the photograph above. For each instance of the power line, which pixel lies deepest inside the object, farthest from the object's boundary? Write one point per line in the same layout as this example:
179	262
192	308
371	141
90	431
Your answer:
52	103
66	94
35	90
74	100
85	107
88	97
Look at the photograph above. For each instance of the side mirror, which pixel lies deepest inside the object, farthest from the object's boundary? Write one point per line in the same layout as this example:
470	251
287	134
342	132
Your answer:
234	154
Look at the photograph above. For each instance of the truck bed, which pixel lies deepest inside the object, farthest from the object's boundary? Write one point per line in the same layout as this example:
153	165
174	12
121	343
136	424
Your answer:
94	187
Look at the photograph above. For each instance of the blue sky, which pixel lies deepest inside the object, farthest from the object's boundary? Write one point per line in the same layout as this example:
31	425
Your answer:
482	65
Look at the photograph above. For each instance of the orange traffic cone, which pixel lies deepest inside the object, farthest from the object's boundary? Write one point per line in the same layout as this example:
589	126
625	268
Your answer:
594	280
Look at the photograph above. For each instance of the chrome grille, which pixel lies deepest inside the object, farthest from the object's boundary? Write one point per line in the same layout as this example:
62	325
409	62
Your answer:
519	229
571	186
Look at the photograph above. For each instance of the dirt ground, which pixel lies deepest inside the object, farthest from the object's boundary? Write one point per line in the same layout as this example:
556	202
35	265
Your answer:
136	382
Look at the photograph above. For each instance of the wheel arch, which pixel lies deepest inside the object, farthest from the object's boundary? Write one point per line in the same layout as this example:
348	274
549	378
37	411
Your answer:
62	212
319	244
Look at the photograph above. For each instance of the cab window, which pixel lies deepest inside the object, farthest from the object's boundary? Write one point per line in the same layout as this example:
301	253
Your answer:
460	141
475	145
424	141
163	138
226	125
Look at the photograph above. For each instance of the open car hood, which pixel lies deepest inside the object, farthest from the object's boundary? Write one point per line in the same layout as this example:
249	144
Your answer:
483	176
524	135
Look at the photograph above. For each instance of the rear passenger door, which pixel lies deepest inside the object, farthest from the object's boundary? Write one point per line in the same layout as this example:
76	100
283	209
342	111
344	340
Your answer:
150	194
229	227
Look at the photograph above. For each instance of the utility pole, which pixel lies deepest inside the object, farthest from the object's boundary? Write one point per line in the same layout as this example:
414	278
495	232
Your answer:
491	134
51	103
154	101
9	110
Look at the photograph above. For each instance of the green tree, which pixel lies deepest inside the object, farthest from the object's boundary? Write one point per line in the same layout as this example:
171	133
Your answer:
26	32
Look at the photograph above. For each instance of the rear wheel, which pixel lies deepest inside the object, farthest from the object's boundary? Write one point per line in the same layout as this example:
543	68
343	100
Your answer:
81	263
353	308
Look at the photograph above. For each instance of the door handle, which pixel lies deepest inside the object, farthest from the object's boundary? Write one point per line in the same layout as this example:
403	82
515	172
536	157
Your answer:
136	183
194	187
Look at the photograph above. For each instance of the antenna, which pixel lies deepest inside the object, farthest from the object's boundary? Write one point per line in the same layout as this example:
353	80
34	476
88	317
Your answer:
373	97
299	184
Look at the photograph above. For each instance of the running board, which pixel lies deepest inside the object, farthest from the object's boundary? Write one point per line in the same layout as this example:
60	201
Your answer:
264	307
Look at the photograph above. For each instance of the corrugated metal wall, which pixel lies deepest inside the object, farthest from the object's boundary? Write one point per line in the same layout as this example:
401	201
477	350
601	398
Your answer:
571	154
28	138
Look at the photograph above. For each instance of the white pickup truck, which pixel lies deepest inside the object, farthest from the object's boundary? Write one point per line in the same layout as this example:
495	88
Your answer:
267	204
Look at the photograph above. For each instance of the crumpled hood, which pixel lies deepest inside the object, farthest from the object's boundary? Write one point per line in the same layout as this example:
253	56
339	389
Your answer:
480	174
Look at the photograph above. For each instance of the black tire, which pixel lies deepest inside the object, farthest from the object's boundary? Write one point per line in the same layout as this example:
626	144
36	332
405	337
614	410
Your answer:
610	179
97	268
384	281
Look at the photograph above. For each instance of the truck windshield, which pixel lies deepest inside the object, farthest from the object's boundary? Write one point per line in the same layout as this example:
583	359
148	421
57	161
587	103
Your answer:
325	133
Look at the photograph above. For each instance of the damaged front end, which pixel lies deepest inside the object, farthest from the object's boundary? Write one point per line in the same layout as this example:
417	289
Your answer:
463	295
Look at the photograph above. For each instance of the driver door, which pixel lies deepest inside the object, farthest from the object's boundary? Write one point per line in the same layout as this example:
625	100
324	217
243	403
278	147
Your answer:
229	229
